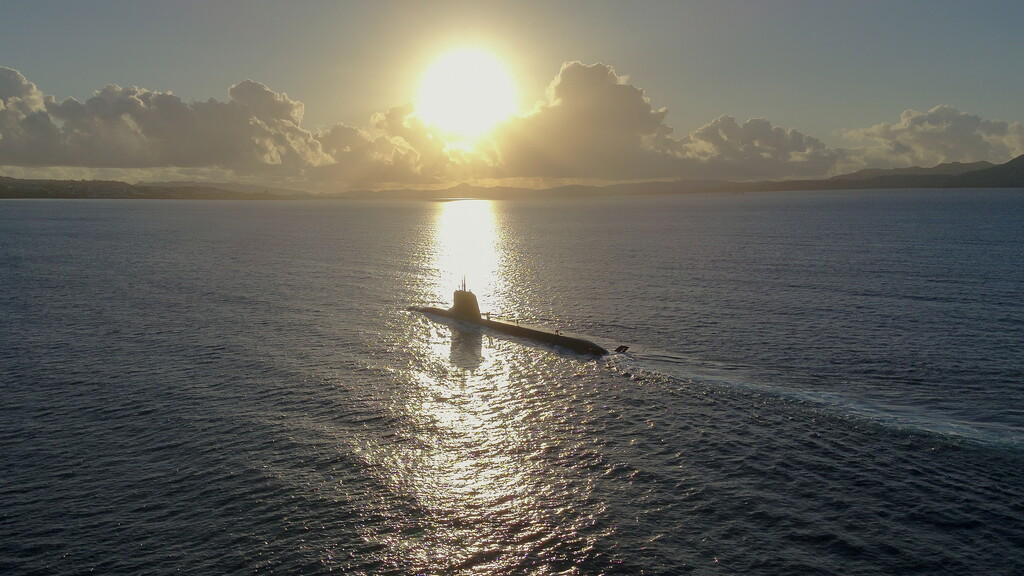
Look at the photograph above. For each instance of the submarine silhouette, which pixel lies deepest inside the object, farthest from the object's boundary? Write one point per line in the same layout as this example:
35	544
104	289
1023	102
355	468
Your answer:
466	308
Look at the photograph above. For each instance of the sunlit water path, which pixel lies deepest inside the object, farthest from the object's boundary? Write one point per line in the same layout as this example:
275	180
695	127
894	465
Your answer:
817	384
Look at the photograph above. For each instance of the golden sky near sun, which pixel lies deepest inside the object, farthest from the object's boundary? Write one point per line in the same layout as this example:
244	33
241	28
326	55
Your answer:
465	92
339	95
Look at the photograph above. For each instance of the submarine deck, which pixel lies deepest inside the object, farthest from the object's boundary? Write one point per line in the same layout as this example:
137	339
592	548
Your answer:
575	344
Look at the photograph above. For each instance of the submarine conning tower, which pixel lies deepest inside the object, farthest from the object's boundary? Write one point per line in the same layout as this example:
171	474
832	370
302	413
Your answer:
465	305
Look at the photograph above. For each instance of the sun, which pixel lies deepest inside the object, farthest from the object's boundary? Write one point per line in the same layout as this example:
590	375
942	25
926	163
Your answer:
465	93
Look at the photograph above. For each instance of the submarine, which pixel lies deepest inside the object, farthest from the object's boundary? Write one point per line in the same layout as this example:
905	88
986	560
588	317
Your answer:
466	308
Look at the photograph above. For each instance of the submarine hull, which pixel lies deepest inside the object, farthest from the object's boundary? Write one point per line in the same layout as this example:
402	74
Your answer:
568	342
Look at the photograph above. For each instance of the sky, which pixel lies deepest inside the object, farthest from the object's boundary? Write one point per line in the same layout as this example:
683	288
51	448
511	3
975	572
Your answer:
325	95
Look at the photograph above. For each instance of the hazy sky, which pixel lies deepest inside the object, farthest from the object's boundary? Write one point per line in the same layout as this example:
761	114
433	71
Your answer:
830	87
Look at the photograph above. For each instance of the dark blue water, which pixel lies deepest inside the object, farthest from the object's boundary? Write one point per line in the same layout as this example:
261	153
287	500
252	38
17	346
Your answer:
818	383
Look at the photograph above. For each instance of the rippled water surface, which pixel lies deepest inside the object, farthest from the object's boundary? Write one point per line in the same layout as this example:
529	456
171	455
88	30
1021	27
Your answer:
817	383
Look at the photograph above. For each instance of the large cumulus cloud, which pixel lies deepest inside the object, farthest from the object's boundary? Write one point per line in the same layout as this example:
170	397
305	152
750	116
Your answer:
726	149
596	125
400	153
255	133
942	134
592	125
24	124
136	128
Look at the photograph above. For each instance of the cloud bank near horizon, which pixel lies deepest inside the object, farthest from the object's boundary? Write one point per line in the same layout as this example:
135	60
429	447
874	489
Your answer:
942	134
592	125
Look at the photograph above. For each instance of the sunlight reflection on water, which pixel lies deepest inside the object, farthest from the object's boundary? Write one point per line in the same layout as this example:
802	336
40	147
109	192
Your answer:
467	246
486	498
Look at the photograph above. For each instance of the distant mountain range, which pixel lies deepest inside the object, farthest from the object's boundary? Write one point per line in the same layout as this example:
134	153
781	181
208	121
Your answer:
950	175
949	169
232	187
97	189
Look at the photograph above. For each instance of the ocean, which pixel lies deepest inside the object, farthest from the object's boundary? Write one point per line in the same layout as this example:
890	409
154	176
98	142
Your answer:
816	383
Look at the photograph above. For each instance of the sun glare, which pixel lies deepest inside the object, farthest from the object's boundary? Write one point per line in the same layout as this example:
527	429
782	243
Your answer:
465	93
467	247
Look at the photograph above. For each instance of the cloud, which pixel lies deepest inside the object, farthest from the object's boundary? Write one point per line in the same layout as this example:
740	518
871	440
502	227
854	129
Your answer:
724	148
593	125
362	160
25	127
942	134
17	93
256	133
415	144
265	104
138	128
596	125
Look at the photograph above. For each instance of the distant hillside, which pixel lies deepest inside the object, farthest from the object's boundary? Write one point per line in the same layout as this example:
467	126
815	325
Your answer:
568	191
245	188
951	175
1009	175
96	189
947	169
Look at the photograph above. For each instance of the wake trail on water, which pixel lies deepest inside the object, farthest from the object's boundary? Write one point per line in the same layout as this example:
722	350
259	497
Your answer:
673	370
